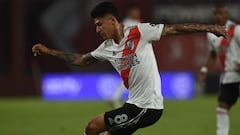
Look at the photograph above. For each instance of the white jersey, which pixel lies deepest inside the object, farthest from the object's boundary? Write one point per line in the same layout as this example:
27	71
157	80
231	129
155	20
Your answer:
228	51
135	61
130	22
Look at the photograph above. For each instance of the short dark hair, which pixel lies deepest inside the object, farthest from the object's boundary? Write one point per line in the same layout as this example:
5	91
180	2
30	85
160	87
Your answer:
220	4
105	8
132	6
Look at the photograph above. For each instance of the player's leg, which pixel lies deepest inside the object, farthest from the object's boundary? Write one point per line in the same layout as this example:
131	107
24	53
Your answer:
115	101
95	126
227	98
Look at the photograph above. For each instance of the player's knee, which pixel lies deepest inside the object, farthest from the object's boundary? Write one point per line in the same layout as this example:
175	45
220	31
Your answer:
91	127
225	105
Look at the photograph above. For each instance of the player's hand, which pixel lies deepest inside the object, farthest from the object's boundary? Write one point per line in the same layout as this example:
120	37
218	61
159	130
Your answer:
220	30
202	77
40	49
237	67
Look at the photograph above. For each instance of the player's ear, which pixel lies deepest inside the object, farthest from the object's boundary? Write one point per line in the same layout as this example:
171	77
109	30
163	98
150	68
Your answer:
112	19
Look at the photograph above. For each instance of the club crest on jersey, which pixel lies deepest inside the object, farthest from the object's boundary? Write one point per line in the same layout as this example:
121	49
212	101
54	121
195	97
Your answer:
130	44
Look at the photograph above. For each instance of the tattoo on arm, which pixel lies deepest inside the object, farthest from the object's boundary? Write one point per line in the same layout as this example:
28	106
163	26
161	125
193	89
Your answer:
88	59
169	30
69	58
191	28
180	29
74	58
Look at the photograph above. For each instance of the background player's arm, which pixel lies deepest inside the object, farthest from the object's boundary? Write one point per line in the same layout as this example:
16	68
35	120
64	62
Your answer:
211	60
71	58
193	28
237	67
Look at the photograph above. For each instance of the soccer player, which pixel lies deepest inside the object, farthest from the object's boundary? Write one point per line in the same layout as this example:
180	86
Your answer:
132	18
129	50
228	51
133	15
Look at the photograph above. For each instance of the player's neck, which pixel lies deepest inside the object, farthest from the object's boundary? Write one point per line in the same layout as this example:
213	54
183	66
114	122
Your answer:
119	33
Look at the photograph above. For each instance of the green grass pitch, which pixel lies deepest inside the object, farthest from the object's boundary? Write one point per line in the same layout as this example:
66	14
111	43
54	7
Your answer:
37	117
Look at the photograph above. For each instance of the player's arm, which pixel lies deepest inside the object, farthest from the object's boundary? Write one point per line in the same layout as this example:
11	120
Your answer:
71	58
193	28
238	66
237	38
204	69
211	59
214	43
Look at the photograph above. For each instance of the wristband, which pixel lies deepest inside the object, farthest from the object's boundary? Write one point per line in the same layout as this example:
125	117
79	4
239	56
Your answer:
204	69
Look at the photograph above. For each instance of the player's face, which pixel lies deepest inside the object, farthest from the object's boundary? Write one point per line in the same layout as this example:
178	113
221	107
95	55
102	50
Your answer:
220	15
135	14
105	26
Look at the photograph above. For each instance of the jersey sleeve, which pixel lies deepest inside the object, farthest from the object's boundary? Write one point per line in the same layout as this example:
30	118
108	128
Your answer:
237	38
150	32
99	52
214	41
237	34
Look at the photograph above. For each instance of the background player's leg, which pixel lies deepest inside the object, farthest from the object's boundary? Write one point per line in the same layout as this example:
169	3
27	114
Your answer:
116	100
228	97
222	121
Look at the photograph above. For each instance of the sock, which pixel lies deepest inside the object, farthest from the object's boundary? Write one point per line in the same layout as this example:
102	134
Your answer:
222	121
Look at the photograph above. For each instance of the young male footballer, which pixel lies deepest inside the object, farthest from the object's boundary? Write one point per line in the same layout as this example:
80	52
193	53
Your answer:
228	51
129	50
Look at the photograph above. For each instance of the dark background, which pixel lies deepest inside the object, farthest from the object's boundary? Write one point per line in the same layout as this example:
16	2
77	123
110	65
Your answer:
66	25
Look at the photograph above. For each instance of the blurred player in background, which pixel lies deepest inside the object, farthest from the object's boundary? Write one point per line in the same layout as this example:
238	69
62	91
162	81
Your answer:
132	18
228	51
129	50
133	15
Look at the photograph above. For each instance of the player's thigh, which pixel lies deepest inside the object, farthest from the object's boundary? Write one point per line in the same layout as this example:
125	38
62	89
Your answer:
150	117
127	119
229	93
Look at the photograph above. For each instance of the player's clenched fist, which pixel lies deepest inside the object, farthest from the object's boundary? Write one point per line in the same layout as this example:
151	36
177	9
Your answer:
40	49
